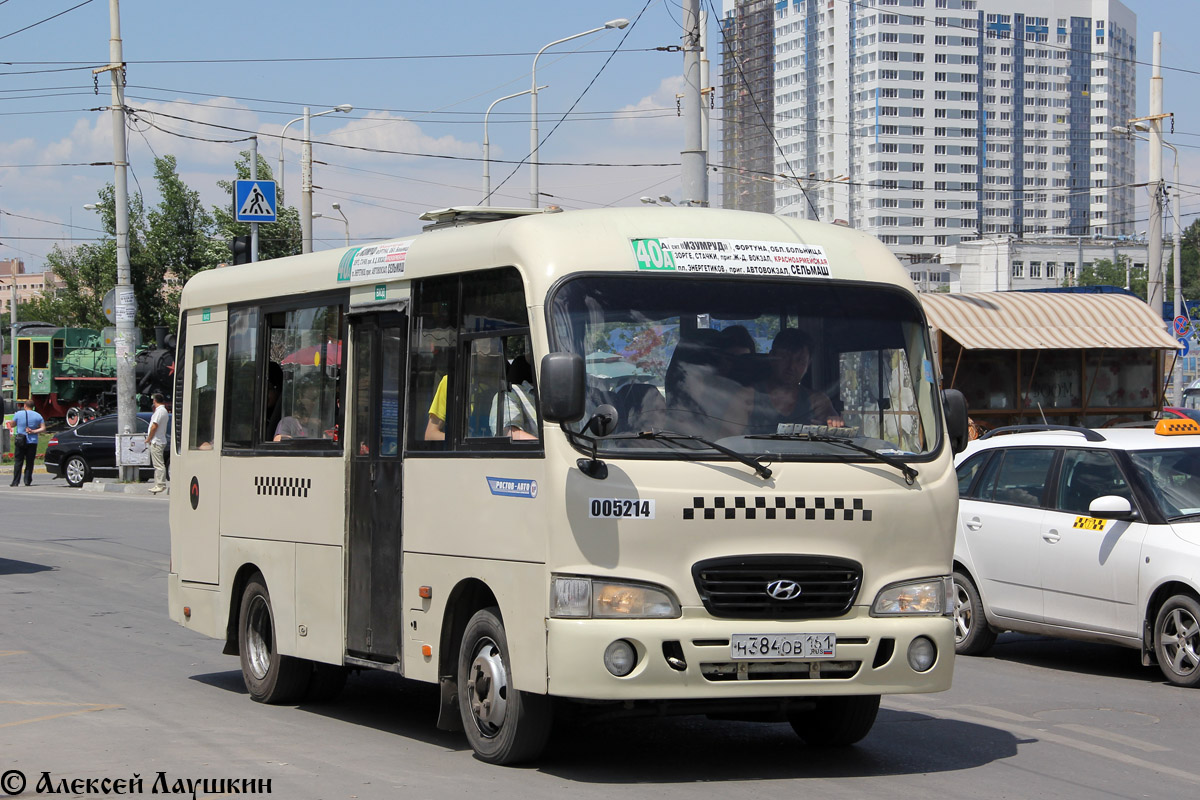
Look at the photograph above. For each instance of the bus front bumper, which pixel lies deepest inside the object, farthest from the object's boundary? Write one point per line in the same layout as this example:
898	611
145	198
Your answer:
690	658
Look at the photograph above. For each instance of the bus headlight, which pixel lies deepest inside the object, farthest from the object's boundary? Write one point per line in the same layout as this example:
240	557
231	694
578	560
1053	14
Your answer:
593	598
928	597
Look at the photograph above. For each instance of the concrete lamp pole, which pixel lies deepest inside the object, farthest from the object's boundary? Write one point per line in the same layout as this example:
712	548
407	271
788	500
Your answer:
305	170
533	94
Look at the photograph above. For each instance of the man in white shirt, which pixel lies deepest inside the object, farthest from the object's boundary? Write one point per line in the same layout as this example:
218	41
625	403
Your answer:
156	437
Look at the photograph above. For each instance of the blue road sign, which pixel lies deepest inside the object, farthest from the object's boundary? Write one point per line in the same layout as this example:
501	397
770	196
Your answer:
1181	325
254	201
1184	347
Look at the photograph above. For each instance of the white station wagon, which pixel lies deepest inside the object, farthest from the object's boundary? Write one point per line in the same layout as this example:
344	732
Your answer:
1085	534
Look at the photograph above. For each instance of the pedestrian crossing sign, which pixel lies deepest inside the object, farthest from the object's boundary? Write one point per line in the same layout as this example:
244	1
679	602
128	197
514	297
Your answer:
254	201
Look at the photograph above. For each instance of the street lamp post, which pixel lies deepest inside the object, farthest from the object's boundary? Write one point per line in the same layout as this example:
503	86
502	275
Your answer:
338	208
533	94
487	175
305	170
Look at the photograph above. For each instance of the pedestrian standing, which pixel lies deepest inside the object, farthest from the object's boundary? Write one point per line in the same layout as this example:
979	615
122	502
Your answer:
26	426
156	437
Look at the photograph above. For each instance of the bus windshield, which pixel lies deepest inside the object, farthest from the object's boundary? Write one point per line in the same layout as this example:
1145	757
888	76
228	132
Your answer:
789	369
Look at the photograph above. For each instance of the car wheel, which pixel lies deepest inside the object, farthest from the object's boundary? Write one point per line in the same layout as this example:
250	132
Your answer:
972	636
76	470
1177	640
836	721
503	725
269	676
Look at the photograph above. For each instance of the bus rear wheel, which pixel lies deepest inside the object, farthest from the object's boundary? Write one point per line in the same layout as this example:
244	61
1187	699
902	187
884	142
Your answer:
836	721
503	725
269	676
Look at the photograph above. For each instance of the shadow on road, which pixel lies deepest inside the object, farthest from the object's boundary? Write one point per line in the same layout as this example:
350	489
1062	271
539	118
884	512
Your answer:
695	749
1085	658
668	750
10	567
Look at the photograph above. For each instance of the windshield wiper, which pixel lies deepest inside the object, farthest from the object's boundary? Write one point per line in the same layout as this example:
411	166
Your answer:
910	474
668	436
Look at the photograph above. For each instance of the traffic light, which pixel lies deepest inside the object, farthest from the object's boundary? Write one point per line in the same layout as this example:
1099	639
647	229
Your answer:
241	249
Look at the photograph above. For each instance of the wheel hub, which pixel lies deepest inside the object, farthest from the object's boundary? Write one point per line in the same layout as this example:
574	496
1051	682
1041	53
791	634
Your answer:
258	637
487	688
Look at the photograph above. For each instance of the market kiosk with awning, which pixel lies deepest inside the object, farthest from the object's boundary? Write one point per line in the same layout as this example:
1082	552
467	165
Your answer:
1078	359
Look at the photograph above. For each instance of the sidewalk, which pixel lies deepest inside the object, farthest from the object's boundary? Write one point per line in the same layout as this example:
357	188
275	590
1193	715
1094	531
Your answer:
94	485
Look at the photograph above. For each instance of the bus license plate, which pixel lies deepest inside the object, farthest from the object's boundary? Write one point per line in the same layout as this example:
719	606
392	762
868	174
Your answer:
782	646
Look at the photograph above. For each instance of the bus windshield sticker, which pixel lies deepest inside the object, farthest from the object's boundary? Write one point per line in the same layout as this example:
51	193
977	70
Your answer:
616	508
513	487
374	263
731	257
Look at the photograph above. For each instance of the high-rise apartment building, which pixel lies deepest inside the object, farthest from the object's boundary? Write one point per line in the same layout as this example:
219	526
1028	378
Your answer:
929	121
747	104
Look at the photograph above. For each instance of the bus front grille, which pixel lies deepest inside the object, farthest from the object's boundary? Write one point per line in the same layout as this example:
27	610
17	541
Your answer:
777	586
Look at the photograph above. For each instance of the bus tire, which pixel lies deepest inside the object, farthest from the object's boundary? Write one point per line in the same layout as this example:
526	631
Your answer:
503	725
835	721
972	635
269	676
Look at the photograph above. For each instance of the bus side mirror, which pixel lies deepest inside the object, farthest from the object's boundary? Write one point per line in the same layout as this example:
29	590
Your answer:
560	385
956	419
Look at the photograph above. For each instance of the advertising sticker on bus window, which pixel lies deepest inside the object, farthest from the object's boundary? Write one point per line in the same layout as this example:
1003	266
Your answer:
731	257
374	263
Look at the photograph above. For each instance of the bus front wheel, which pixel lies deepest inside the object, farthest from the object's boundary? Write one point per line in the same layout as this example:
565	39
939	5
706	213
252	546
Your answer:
503	725
269	676
836	721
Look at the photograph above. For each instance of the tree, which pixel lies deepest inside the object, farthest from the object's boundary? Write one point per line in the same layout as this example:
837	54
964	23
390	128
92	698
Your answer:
275	240
180	237
1106	272
167	245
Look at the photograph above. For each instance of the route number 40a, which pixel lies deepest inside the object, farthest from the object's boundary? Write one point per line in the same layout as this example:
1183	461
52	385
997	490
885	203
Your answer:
651	255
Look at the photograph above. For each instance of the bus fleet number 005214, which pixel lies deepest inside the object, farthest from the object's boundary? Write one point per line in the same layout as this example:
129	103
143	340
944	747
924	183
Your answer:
610	508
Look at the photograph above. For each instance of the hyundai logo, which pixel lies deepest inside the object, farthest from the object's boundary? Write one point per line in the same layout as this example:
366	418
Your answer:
783	589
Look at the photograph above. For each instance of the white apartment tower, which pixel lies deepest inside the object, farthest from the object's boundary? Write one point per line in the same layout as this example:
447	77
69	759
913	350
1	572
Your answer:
930	121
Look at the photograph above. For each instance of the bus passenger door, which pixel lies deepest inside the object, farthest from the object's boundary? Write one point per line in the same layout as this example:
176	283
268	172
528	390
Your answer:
376	402
195	464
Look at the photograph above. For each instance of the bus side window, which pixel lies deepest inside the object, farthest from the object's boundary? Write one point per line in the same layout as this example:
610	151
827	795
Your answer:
204	397
307	345
241	377
434	344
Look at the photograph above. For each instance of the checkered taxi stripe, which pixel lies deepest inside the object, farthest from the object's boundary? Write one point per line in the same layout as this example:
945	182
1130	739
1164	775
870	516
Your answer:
826	508
283	487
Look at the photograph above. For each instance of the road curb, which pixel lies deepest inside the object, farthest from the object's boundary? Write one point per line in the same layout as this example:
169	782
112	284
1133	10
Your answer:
122	488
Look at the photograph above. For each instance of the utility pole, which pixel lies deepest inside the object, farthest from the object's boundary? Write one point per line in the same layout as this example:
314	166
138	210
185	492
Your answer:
306	186
1154	282
126	305
694	160
254	177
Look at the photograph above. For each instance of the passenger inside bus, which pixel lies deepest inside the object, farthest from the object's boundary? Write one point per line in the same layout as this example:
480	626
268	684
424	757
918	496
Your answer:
781	398
435	429
514	410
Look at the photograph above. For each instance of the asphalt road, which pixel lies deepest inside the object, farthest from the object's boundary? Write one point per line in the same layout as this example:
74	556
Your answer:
96	682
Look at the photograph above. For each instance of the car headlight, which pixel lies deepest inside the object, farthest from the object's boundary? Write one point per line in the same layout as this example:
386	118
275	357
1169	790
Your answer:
594	598
927	597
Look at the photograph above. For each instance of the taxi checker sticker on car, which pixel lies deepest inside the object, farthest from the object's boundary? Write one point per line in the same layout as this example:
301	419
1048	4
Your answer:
616	508
1090	523
731	257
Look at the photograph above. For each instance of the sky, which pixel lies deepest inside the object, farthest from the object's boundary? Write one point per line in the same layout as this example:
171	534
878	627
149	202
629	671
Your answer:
420	76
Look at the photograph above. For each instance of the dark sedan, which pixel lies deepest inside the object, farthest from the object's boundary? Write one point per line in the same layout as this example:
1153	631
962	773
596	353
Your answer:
79	454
